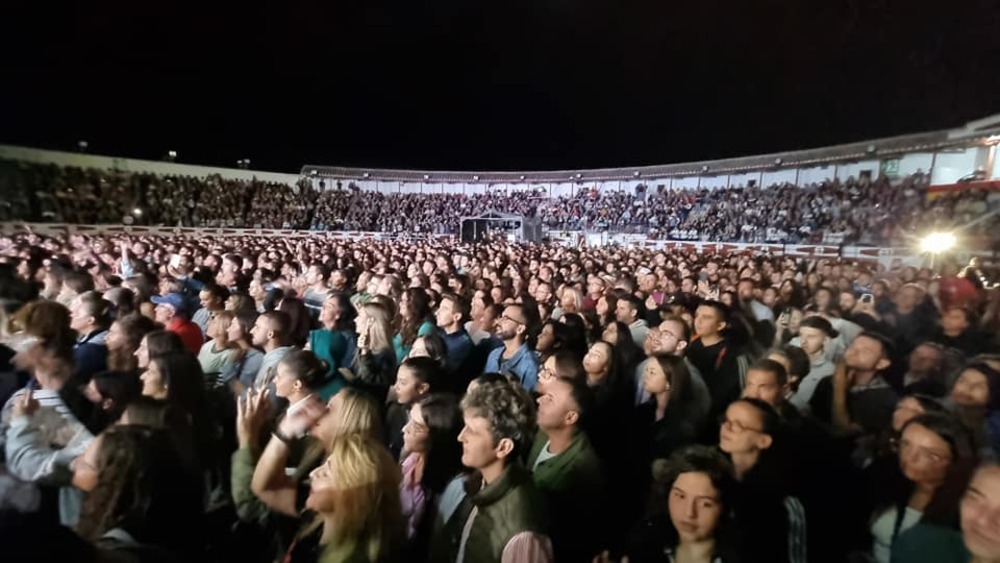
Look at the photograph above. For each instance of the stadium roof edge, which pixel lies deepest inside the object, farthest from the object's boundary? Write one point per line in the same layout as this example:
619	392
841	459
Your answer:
974	132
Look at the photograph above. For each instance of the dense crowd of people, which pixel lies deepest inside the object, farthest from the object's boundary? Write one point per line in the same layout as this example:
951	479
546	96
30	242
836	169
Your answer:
854	211
301	400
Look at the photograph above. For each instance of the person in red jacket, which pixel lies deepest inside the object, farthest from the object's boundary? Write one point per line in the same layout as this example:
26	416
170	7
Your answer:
172	312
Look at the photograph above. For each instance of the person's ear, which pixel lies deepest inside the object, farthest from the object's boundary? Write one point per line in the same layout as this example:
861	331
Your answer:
572	417
722	325
423	389
882	364
297	386
504	448
681	345
106	404
764	441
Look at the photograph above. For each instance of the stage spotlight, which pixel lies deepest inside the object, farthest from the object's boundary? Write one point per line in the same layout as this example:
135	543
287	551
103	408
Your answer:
936	243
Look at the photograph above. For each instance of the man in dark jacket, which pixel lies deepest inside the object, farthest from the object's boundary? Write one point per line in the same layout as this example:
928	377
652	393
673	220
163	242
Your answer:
495	513
567	471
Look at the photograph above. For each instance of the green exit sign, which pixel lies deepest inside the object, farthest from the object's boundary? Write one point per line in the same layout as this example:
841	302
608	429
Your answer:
890	168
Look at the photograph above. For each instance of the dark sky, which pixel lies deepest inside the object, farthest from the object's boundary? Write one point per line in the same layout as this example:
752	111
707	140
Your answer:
517	84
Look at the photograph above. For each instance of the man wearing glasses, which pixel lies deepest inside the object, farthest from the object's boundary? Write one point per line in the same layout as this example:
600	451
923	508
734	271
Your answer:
515	357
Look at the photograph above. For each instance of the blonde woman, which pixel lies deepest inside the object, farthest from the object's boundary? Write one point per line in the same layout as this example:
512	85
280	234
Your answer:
350	411
570	301
355	495
374	367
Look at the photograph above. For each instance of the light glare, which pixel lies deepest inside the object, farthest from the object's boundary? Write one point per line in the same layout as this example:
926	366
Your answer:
936	243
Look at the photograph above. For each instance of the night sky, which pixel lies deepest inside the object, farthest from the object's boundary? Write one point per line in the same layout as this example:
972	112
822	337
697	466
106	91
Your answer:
450	84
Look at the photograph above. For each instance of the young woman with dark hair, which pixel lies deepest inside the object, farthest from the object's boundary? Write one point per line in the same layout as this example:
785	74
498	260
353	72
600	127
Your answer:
935	461
771	521
435	458
123	340
690	512
628	356
553	336
605	308
414	315
157	343
300	322
145	499
336	342
110	392
177	379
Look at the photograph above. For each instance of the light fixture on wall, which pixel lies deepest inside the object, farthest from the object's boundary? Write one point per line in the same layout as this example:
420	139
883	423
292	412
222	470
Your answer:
704	168
476	177
636	174
777	161
82	145
366	175
171	156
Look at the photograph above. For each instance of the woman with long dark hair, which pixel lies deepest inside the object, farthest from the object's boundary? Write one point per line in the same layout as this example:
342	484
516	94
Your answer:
431	437
110	392
336	342
935	462
177	379
123	341
414	315
145	497
627	354
157	343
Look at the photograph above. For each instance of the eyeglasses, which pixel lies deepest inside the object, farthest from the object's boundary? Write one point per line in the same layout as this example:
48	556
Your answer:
736	426
506	318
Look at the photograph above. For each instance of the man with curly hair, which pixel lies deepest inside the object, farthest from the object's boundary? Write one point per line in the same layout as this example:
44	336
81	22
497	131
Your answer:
494	513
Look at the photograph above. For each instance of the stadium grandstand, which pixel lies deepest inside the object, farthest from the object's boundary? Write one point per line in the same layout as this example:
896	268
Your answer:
785	358
881	192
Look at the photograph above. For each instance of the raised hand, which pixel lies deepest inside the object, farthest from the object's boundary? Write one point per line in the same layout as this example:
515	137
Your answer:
251	414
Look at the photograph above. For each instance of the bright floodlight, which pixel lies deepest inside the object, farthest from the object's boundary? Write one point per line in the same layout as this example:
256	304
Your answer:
936	243
137	212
